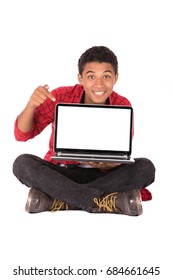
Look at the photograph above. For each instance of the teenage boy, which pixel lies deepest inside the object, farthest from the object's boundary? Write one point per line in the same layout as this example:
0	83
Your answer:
57	185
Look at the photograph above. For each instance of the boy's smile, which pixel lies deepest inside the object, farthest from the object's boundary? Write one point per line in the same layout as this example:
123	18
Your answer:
98	80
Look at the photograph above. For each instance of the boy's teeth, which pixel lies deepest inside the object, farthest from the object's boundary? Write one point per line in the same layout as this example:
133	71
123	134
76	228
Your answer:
99	92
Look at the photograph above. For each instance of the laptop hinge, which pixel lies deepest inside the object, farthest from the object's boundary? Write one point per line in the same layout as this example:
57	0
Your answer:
92	155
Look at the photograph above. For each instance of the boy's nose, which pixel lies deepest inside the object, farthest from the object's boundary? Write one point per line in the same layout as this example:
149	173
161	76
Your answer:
99	82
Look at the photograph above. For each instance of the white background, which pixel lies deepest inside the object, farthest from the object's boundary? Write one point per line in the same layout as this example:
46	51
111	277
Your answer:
41	42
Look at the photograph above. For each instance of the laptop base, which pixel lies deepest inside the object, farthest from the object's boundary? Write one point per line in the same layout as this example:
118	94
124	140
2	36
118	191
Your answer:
128	160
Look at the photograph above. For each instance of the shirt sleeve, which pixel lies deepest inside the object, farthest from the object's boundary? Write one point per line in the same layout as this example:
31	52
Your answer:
43	116
20	135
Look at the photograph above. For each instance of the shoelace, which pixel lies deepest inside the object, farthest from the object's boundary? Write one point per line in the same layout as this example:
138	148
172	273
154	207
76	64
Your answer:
58	205
107	203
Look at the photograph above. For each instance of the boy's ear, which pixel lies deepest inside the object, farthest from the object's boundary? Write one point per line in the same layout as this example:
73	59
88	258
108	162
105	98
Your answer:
80	79
116	77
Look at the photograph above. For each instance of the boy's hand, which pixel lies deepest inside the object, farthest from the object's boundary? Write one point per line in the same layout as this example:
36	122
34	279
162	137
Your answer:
103	165
39	96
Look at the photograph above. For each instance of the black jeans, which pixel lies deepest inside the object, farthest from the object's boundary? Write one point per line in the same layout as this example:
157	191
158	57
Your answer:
79	186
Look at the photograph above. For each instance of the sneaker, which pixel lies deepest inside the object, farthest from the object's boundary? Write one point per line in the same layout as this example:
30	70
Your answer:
127	203
39	202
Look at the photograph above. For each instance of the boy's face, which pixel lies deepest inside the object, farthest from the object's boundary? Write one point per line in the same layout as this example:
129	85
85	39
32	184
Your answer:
98	80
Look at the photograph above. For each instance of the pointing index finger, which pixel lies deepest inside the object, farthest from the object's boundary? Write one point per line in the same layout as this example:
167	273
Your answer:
49	94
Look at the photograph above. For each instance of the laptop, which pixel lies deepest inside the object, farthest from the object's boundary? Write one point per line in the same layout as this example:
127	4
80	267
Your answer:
87	133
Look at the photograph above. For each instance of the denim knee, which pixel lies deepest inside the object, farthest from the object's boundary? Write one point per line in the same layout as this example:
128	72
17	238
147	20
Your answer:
19	163
147	167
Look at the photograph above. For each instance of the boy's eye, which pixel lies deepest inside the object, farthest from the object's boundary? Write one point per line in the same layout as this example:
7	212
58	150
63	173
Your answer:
107	77
91	77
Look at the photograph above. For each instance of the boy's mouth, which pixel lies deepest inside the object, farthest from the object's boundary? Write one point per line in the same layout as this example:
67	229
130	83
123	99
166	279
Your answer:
99	92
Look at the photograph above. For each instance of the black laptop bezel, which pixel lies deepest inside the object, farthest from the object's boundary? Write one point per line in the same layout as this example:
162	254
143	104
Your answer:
89	151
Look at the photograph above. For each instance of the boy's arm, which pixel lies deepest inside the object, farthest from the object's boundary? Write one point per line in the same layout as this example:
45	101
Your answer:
39	96
103	165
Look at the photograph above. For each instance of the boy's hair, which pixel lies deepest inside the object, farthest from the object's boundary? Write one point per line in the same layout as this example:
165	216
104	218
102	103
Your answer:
98	54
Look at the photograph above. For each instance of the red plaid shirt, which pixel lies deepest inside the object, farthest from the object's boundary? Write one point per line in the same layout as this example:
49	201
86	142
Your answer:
44	114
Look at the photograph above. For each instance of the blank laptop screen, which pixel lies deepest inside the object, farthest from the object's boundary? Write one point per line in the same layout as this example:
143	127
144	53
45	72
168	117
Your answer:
93	128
